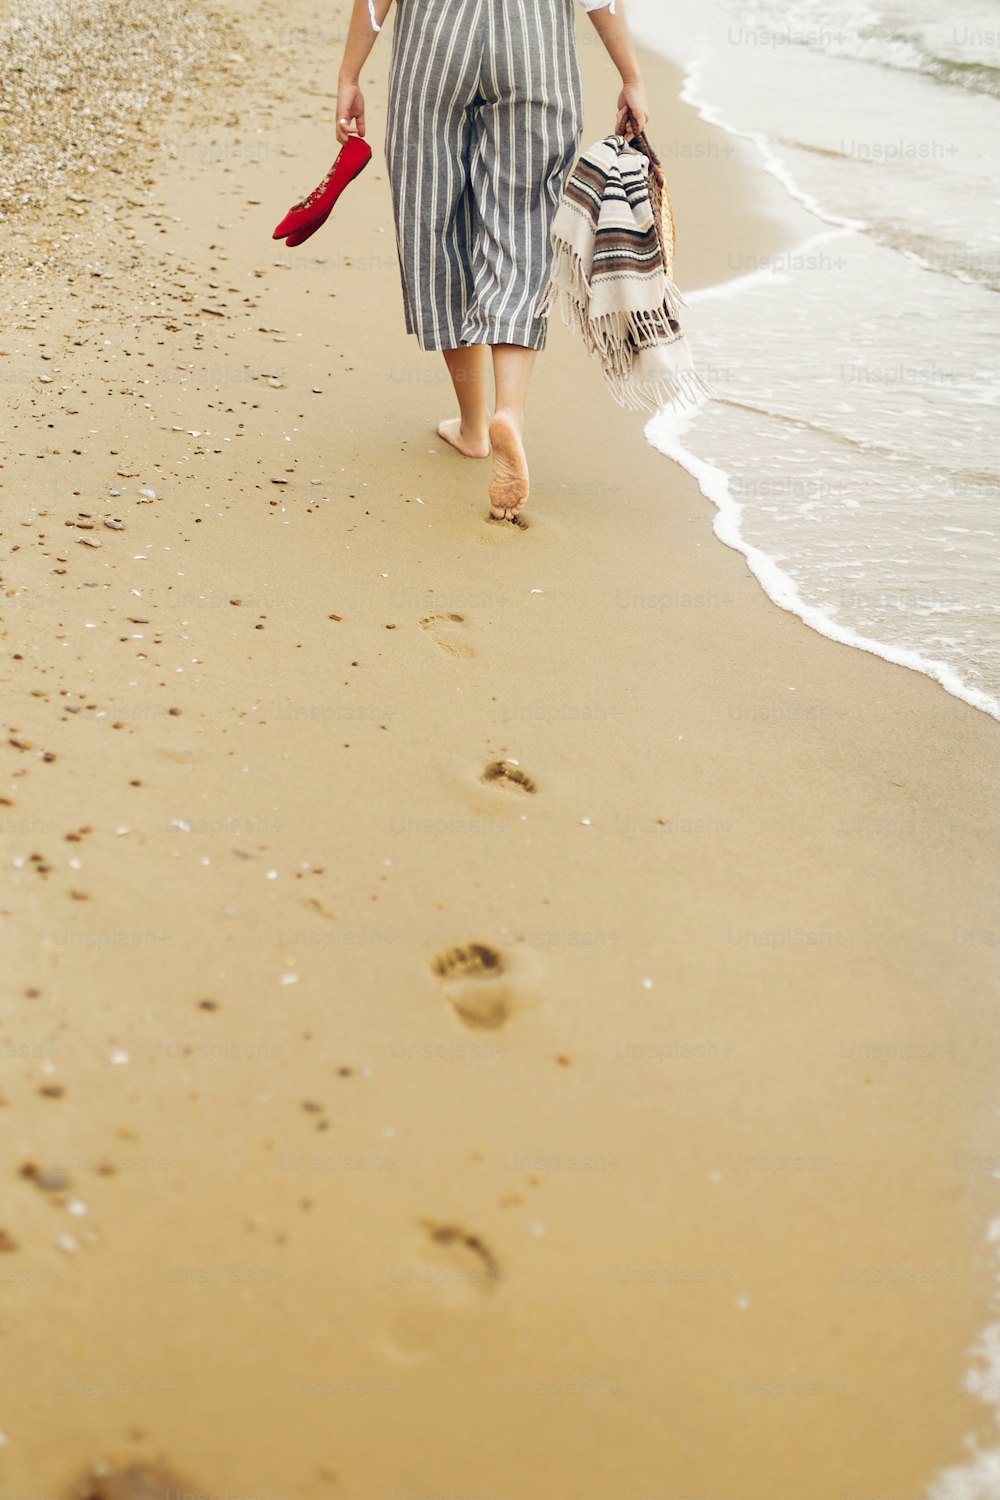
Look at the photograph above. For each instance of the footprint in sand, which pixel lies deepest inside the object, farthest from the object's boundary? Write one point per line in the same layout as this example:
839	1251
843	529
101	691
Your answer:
506	774
476	984
450	1271
456	1248
449	631
521	521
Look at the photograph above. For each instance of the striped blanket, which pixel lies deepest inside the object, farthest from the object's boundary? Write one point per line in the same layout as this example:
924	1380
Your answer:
611	277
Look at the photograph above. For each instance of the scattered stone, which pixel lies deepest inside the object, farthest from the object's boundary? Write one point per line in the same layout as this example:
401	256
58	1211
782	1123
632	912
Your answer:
46	1179
136	1482
114	524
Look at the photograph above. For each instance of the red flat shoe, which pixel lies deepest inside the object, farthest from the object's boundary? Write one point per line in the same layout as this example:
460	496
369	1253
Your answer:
313	212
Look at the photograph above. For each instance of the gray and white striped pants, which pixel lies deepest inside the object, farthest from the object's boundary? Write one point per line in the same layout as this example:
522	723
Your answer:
485	115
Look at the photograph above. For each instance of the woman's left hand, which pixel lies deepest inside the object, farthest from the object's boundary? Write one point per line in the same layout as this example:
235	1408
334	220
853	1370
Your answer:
350	111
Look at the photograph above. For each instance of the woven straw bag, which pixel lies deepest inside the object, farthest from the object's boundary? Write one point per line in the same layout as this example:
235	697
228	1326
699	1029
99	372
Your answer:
663	214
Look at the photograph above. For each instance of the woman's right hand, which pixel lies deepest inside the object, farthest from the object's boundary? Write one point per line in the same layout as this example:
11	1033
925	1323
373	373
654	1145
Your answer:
633	110
350	112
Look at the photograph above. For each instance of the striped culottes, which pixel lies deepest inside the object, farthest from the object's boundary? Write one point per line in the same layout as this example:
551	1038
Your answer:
485	115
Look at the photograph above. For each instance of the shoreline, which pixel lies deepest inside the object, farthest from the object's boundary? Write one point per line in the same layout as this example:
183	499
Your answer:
668	432
306	757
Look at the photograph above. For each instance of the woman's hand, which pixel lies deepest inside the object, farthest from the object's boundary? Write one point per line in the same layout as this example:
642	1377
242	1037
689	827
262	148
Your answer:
633	111
350	111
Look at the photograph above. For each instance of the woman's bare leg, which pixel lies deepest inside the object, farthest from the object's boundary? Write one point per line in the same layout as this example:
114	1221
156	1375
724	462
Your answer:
469	431
512	371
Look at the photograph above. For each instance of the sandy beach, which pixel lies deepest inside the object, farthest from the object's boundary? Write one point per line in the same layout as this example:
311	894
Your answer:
490	1011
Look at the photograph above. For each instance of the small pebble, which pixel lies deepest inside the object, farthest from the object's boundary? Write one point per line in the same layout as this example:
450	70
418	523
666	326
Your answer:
46	1179
137	1482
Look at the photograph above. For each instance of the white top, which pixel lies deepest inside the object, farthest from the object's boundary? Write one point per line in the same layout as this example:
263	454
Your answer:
587	5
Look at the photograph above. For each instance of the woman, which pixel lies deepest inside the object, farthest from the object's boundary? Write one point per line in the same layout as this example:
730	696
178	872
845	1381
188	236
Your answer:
484	122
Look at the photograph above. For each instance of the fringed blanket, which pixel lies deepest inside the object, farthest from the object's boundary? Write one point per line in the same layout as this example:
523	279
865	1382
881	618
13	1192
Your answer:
611	276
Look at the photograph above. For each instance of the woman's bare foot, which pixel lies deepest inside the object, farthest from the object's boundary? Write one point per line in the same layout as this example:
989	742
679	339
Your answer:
476	446
509	481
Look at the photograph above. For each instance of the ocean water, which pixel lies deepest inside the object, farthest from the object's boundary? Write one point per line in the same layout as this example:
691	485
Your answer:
854	448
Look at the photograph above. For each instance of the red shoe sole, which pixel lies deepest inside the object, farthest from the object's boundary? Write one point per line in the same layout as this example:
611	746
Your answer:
301	235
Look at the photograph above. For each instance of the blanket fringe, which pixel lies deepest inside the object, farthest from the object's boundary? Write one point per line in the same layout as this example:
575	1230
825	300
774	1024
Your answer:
686	388
618	339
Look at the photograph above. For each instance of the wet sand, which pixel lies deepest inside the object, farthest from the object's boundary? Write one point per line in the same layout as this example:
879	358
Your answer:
493	1011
